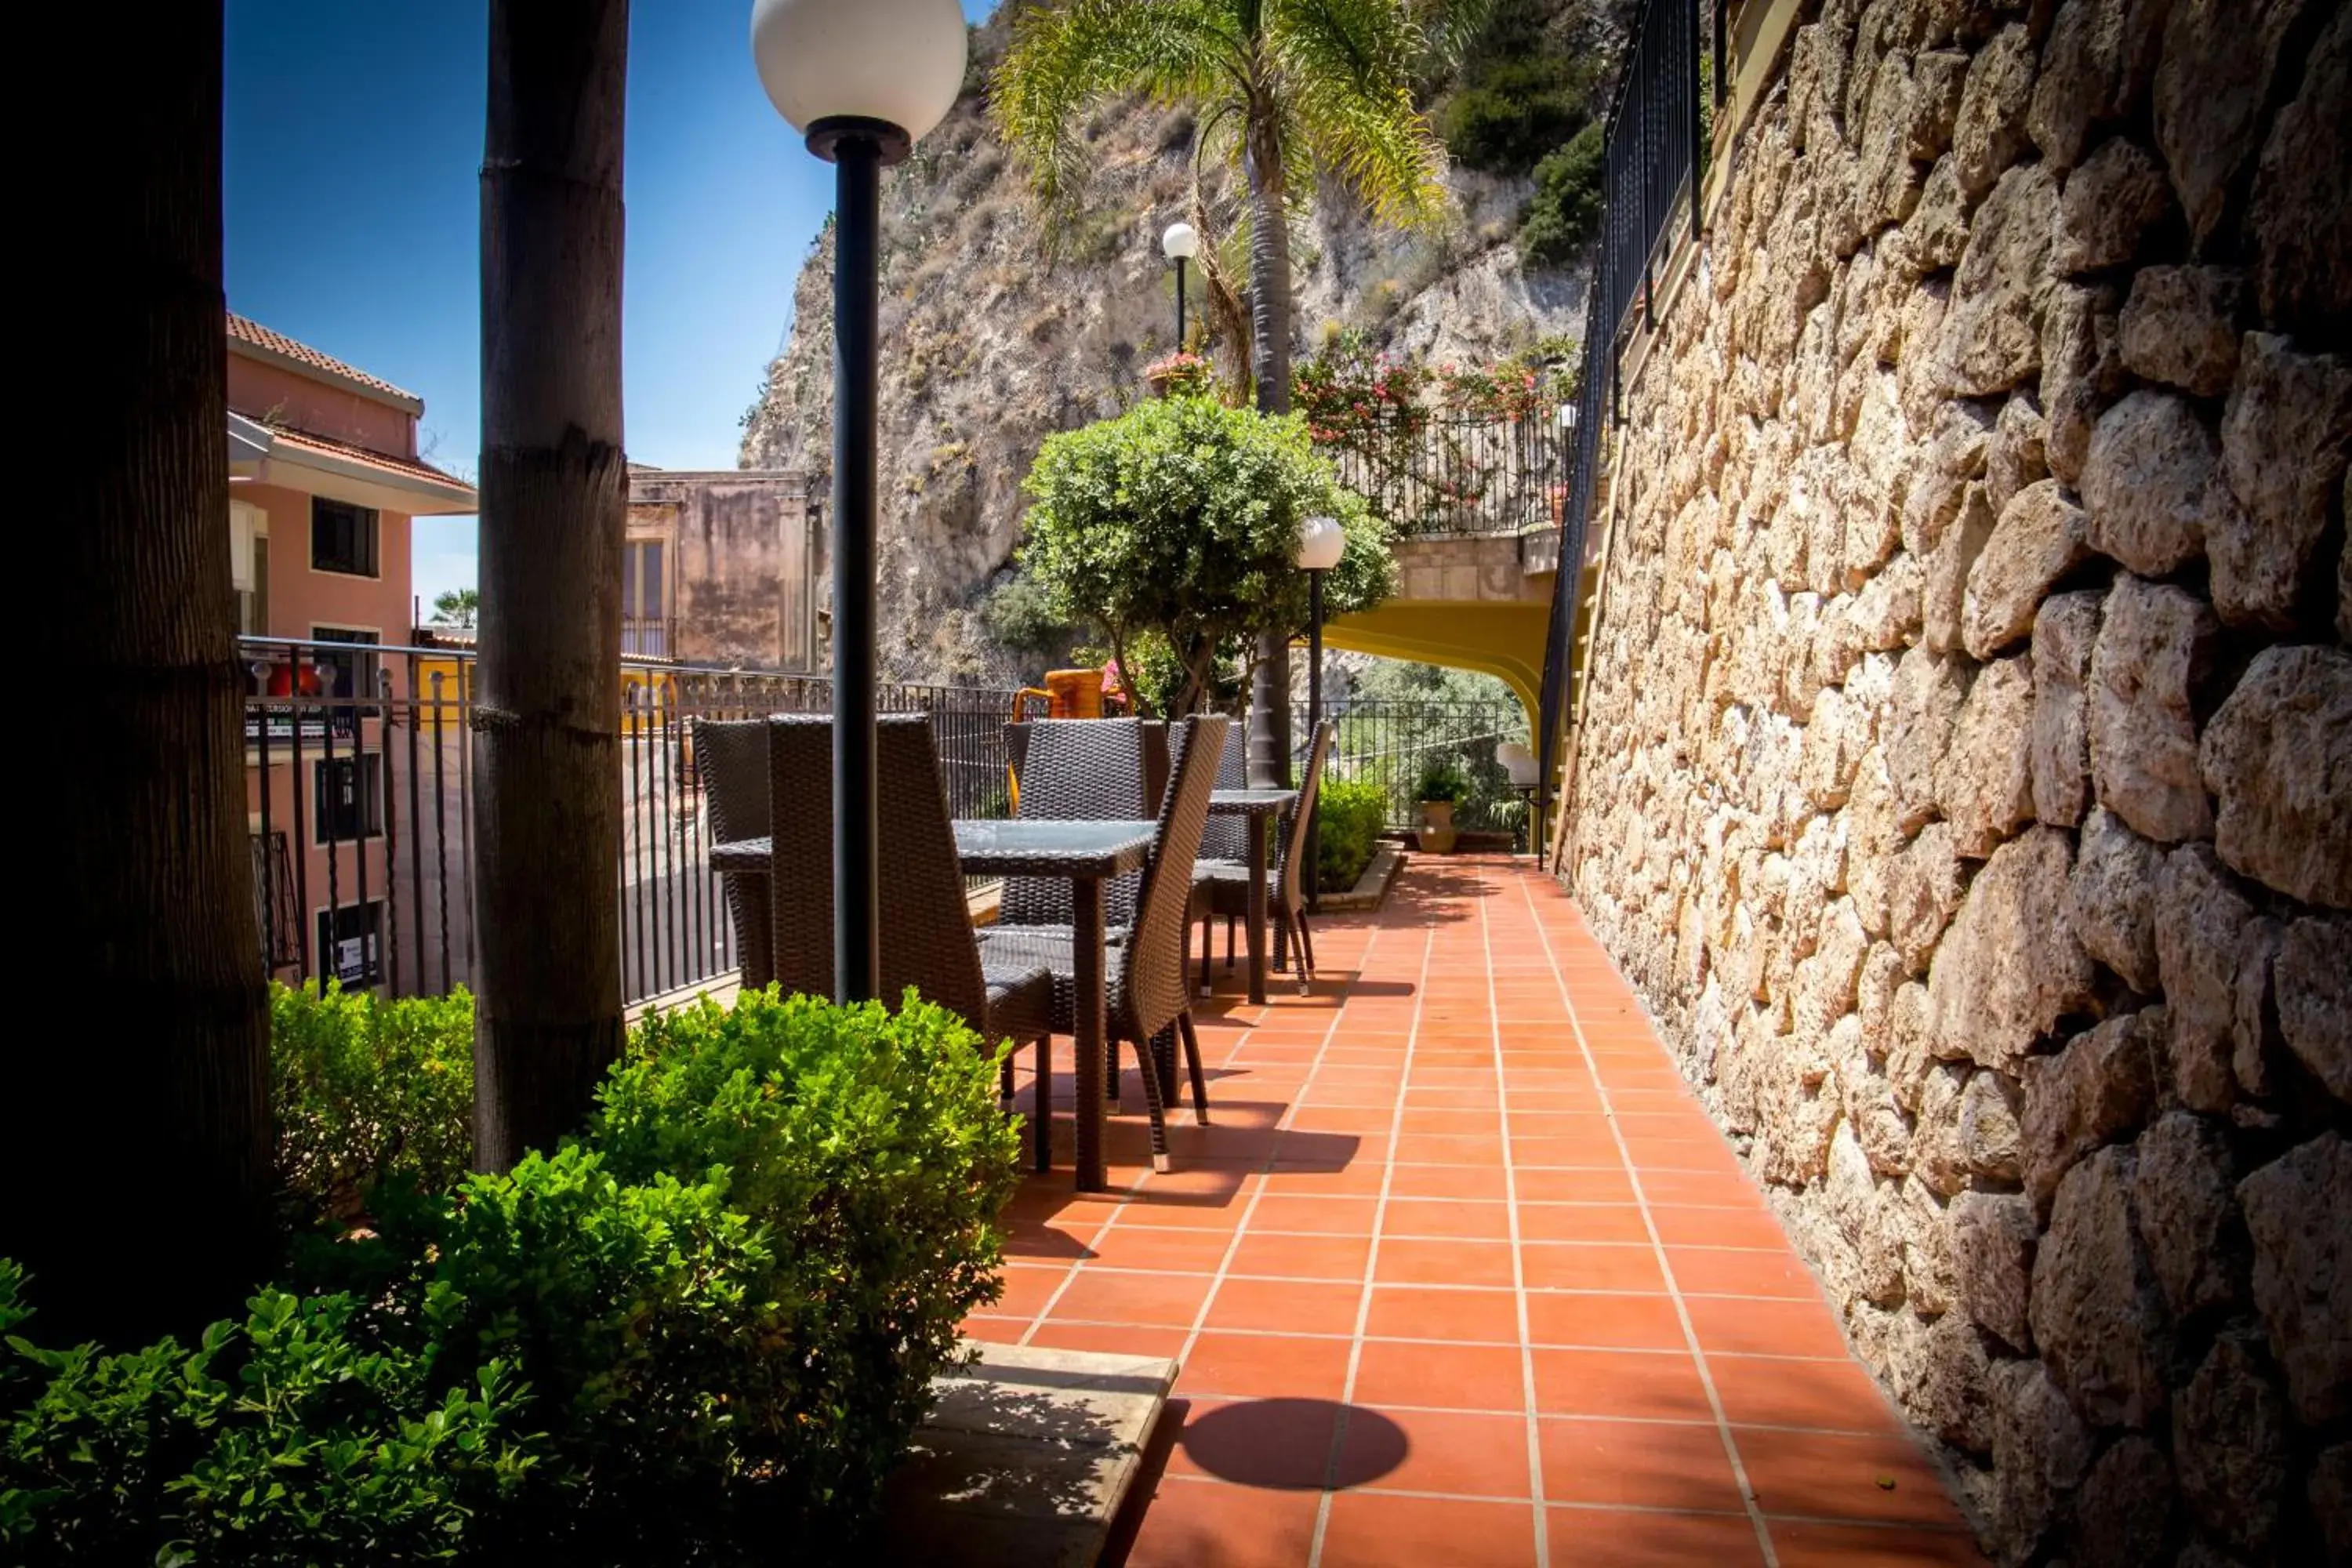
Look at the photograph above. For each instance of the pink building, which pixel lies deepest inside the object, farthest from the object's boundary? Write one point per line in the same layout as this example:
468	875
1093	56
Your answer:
325	478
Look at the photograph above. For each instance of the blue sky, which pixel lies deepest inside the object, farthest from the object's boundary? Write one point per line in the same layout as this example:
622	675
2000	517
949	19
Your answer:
355	150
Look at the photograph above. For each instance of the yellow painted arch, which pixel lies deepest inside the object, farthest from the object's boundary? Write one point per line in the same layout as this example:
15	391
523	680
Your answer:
1503	640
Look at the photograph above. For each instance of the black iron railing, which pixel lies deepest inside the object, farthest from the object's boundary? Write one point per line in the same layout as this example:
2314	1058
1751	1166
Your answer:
1651	169
363	807
1429	473
1391	745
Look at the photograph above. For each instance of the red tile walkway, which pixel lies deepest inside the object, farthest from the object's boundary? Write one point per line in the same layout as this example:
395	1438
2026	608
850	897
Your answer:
1463	1275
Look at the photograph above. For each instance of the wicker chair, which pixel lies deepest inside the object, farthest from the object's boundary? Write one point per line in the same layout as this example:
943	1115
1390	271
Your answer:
731	758
1149	992
1221	888
1080	770
928	941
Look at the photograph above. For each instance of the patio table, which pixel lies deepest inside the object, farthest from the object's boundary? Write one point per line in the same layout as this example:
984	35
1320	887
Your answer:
1258	805
1090	853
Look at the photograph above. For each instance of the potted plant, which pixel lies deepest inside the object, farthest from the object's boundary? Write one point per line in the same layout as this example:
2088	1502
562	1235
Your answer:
1442	788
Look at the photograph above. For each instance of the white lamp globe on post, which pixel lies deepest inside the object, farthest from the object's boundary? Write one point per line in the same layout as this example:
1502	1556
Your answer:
1321	543
863	81
1179	244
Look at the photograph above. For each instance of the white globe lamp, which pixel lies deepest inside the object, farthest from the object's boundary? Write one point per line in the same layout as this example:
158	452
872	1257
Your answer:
863	81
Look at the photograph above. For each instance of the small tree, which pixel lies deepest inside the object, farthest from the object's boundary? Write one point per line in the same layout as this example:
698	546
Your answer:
457	606
1180	517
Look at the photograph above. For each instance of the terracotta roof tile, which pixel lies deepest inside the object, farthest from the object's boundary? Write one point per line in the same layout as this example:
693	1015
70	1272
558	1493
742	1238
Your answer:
409	468
243	330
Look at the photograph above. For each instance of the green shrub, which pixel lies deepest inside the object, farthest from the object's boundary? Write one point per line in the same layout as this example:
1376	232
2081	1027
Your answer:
1514	112
1565	212
1442	778
869	1147
365	1090
288	1439
1348	816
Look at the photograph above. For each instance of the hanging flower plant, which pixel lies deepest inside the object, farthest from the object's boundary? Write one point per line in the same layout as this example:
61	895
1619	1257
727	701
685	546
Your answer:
1180	375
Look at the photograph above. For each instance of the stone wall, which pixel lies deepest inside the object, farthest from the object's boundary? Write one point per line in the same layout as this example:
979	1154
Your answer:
1967	772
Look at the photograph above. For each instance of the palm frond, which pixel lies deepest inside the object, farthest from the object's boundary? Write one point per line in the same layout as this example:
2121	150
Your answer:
1065	58
1346	76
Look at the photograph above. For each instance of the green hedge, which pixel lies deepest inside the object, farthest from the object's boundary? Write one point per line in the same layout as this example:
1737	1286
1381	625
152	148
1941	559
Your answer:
1348	816
712	1320
1565	212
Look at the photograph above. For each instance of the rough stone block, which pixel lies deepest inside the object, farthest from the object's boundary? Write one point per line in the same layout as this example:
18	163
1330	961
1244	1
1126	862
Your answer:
2040	538
1924	888
2200	924
1928	690
2300	216
2180	327
1943	594
2096	1312
2230	1445
2184	1194
1993	1239
2009	968
2298	1211
2041	1450
2098	1090
2154	646
2284	438
2312	982
2111	899
2152	483
2019	450
2108	208
1985	787
1988	132
1992	331
2278	758
2065	630
2124	1511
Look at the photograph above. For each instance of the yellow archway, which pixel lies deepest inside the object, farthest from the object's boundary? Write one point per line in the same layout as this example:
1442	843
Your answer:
1503	639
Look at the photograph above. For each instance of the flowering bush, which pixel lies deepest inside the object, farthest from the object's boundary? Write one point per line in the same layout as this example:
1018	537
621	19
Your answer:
1507	390
1350	389
1181	374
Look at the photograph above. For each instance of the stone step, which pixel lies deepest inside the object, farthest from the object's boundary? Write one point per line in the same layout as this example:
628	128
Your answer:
1026	1459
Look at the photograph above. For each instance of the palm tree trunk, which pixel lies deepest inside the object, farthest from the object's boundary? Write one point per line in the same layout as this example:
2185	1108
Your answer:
548	840
1269	735
137	1131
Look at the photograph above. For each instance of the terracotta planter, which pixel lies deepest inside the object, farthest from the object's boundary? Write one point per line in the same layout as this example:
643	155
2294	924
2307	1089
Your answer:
1436	834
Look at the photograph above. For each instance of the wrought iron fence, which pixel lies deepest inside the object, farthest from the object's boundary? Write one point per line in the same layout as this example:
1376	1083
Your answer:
1651	166
1391	744
1431	472
360	769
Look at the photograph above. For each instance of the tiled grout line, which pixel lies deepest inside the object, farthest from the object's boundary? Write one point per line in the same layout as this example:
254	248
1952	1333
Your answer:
1666	1266
1242	1225
1371	1264
1519	1258
1660	1510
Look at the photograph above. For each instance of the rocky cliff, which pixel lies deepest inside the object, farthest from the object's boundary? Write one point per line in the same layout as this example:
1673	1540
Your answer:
988	345
1966	775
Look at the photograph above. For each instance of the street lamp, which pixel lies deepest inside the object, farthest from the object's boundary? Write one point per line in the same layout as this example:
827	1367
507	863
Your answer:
1179	244
1321	543
863	81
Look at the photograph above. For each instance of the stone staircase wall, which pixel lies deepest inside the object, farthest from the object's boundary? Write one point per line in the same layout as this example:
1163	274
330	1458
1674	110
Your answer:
1971	741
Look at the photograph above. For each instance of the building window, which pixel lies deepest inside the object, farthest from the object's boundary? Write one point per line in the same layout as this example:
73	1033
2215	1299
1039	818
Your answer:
645	625
342	538
351	943
347	798
249	532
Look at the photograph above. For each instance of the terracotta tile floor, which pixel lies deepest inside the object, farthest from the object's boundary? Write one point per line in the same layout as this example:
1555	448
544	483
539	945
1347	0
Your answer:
1462	1275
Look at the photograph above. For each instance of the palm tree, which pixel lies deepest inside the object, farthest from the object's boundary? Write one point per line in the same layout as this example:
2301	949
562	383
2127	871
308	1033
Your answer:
1290	89
134	1141
548	826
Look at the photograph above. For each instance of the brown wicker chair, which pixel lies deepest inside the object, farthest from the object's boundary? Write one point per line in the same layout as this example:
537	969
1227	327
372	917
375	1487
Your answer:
928	940
1221	888
730	759
1148	992
1080	770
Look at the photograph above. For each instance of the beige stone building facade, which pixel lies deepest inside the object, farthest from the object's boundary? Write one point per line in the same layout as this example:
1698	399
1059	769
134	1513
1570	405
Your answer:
718	569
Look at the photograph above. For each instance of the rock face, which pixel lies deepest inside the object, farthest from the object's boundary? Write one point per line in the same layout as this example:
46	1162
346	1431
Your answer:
1985	518
988	345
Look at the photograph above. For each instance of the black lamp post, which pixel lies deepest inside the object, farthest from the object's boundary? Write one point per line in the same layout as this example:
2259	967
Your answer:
863	81
1179	244
1321	543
